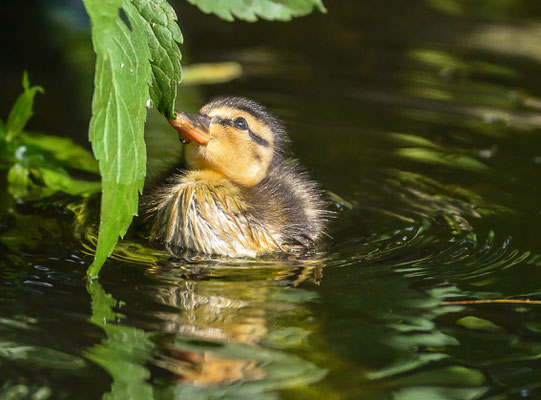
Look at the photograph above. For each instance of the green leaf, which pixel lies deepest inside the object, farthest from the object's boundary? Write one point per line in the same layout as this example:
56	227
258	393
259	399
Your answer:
39	356
280	10
18	175
210	73
58	179
430	156
478	324
63	150
47	181
19	180
438	393
21	111
118	116
454	375
136	46
163	34
37	162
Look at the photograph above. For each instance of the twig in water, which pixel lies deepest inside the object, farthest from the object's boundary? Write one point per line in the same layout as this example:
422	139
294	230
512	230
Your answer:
504	301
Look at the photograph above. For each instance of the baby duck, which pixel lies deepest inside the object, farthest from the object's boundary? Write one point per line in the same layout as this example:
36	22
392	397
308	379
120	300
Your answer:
241	196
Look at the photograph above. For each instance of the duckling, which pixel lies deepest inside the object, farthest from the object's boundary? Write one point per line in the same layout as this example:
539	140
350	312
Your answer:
240	196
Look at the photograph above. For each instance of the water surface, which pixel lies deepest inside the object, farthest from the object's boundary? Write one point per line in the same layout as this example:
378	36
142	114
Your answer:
421	120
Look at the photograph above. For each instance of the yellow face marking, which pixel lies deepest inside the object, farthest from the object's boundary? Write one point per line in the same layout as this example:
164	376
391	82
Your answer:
233	152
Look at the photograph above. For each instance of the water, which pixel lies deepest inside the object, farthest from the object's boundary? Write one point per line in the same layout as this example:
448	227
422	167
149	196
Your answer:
421	119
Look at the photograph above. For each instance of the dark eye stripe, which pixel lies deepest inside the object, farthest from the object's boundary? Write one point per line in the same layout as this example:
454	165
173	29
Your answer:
222	121
258	139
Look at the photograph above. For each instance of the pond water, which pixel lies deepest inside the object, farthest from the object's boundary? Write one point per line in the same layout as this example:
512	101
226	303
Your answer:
422	121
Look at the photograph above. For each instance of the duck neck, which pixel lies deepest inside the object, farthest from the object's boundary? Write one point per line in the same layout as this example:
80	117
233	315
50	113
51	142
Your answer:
211	175
206	175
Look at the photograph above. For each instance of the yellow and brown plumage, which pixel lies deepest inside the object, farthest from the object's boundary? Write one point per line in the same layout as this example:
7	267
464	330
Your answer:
241	196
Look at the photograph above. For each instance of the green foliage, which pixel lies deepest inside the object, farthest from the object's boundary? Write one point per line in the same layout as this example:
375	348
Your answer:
40	355
278	10
478	324
123	74
37	164
123	353
162	33
21	112
430	152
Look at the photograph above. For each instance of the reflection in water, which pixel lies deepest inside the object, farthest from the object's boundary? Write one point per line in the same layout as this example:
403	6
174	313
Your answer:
203	314
425	243
232	329
210	316
124	352
207	369
224	322
212	305
215	332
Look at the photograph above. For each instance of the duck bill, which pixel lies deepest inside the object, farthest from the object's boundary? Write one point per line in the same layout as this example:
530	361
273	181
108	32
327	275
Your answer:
192	127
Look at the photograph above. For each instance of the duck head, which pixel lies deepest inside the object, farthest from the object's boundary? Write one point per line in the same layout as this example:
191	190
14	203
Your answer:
234	137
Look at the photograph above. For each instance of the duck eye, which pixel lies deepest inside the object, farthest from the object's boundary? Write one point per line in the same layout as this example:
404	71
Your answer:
240	123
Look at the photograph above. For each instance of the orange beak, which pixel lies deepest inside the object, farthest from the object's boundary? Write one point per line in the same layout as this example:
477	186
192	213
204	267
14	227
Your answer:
192	127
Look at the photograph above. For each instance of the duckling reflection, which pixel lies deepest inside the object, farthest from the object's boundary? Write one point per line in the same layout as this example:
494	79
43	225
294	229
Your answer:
241	197
214	307
209	312
207	369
